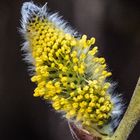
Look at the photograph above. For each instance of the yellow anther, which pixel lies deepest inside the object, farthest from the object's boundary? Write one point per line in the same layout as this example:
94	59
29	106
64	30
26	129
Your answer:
55	46
93	51
86	115
68	107
92	104
102	93
75	60
81	110
55	98
91	90
83	104
60	66
101	100
79	97
65	84
57	84
82	56
84	37
98	105
91	41
75	105
72	94
74	54
72	85
62	101
97	111
96	70
108	109
64	79
64	69
66	57
87	96
100	123
39	61
42	84
36	78
104	72
56	105
100	116
36	94
75	99
86	88
102	60
107	102
108	98
45	74
89	110
68	36
106	86
79	90
103	108
93	83
87	123
96	87
75	68
92	116
108	74
52	65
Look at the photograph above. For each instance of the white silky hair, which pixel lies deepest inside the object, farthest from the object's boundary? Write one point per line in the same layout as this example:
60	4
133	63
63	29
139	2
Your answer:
117	110
29	9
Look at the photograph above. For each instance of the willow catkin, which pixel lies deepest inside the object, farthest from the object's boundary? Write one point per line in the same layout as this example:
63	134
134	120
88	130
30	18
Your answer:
67	71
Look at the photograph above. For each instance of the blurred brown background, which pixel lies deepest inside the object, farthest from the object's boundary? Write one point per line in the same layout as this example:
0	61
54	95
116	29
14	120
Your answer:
115	24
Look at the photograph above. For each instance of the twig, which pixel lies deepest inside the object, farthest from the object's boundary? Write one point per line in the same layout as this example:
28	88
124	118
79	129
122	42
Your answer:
131	117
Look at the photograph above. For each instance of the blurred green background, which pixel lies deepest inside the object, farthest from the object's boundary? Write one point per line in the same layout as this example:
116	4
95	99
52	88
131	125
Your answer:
114	24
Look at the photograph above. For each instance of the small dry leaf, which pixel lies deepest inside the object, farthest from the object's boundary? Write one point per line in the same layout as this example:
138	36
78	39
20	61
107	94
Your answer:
79	134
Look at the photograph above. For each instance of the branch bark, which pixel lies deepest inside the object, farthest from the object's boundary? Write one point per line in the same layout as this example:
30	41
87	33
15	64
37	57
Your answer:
131	117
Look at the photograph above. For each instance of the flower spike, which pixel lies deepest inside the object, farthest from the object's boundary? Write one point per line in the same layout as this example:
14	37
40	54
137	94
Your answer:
67	71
